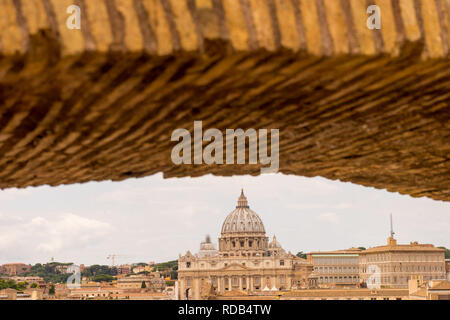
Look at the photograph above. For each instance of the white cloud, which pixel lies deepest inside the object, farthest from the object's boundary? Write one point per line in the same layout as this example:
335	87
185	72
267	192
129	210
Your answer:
329	217
52	235
68	230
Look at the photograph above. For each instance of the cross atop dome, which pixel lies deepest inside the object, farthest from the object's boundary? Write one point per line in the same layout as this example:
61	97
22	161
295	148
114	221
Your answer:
242	201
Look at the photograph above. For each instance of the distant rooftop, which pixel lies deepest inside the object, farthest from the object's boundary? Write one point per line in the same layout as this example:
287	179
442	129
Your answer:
393	246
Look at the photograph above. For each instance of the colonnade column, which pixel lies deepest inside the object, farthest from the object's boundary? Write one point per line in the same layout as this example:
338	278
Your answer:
197	288
219	285
182	288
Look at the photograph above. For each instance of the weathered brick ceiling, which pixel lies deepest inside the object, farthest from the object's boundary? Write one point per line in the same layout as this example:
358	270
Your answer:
370	107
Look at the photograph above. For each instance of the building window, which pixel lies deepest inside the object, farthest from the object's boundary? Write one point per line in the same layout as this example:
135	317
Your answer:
281	262
250	243
188	264
242	244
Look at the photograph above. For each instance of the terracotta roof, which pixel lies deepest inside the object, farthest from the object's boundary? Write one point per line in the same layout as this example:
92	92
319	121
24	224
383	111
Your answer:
347	293
422	292
403	247
133	295
443	285
345	251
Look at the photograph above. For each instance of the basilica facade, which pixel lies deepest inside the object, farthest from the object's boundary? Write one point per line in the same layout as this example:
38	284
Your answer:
245	261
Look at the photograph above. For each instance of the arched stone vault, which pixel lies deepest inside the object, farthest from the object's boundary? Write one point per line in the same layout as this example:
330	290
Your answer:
370	107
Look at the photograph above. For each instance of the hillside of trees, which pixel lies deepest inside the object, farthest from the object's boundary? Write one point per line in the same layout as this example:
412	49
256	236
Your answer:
97	269
168	269
49	272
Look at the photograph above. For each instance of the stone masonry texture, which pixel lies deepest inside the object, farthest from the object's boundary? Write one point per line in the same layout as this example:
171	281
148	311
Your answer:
367	106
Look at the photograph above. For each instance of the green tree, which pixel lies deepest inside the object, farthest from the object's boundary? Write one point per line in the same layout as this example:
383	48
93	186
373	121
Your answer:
168	269
362	248
48	272
300	254
143	285
167	266
103	277
97	269
141	264
34	285
51	291
5	284
20	286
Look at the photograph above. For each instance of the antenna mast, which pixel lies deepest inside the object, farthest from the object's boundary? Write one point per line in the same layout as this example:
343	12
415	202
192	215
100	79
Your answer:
392	229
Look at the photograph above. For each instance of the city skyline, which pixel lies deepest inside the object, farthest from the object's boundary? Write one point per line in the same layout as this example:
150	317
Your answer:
139	219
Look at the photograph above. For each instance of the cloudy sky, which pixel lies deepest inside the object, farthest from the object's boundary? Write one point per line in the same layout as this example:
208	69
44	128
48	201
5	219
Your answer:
155	219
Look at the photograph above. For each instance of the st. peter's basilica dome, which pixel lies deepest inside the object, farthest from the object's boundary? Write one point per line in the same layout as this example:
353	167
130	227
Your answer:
243	219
